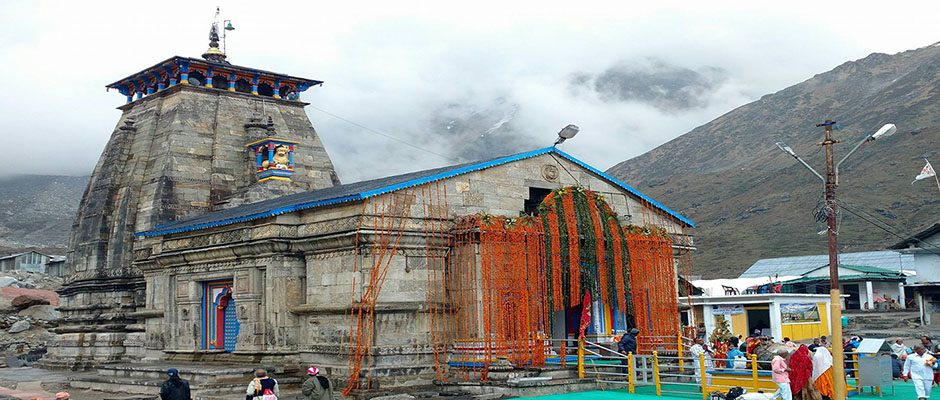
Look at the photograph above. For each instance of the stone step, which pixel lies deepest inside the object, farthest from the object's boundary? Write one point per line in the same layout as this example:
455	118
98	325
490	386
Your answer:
148	386
559	373
188	372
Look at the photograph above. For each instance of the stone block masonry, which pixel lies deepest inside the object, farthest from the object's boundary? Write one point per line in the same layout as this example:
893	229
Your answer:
174	154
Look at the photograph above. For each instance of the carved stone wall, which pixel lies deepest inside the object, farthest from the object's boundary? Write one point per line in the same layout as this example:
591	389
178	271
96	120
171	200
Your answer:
175	154
294	274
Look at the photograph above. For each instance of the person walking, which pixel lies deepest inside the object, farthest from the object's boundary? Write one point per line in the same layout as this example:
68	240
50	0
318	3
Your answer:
781	375
317	387
262	387
701	349
920	367
175	388
627	345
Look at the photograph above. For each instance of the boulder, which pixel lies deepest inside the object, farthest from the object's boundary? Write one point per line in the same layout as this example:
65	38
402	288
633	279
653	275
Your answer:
28	300
6	306
19	326
42	312
14	292
8	281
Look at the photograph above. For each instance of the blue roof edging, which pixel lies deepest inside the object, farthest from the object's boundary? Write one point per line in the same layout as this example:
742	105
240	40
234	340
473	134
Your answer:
414	182
625	186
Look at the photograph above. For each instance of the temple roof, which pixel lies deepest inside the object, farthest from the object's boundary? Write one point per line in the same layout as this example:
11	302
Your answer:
174	64
371	188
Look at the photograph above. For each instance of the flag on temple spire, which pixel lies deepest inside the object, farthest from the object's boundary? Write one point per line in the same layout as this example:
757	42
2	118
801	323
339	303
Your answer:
925	173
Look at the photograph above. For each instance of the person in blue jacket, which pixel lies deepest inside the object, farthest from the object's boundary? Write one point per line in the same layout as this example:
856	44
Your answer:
627	345
734	352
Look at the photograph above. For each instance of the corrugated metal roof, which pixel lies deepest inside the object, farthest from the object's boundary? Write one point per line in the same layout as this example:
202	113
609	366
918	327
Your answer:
889	260
846	278
365	189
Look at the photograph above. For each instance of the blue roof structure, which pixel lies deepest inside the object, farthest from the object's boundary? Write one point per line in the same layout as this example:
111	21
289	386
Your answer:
791	266
371	188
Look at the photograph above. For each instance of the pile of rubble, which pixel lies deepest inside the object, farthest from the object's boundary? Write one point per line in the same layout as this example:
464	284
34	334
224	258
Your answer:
28	304
29	280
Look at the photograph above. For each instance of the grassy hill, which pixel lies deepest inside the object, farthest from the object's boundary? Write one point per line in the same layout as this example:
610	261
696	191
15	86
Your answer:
751	201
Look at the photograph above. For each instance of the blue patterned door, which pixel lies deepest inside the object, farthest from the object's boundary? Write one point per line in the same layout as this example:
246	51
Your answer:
231	326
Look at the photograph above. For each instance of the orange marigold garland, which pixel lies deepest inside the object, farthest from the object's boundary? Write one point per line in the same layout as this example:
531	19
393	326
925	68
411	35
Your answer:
618	264
554	259
574	257
601	254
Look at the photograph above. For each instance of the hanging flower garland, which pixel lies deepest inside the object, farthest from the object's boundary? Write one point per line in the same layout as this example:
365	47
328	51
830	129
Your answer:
585	248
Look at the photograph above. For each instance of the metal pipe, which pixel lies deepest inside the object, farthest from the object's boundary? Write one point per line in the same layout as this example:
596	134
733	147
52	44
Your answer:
866	140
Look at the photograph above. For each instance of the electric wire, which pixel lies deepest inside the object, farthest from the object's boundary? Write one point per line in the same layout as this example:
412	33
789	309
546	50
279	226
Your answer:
385	135
861	214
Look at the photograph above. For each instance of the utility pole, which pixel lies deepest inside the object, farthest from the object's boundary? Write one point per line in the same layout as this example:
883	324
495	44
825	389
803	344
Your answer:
835	301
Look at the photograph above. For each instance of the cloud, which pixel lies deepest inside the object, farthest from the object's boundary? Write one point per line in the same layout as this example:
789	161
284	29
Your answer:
501	76
660	84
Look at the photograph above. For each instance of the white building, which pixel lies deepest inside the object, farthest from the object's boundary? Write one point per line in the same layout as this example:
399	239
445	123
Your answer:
924	249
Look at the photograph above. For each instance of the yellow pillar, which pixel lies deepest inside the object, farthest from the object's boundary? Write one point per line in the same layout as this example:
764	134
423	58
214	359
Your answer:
754	372
701	366
630	371
835	318
681	361
858	380
659	389
581	358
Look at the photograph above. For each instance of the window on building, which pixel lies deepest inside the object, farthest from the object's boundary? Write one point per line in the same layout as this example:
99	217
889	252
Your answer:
265	89
536	195
220	82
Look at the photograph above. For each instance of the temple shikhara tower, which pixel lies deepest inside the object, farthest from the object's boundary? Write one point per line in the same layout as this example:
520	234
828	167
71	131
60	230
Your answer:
196	135
215	231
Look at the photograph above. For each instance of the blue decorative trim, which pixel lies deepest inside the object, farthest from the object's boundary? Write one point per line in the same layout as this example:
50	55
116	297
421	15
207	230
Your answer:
624	186
264	214
412	183
454	172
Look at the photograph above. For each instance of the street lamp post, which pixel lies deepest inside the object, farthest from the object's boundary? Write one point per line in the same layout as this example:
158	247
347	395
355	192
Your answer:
831	181
835	301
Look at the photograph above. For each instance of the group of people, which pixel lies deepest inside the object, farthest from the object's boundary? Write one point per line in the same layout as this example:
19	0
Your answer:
918	364
815	361
262	387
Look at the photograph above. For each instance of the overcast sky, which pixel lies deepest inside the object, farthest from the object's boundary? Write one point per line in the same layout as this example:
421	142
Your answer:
466	82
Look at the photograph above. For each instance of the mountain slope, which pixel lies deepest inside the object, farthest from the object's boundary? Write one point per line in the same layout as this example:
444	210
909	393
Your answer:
38	210
751	201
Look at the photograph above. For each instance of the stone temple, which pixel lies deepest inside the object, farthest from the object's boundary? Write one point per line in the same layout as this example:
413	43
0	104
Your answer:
214	230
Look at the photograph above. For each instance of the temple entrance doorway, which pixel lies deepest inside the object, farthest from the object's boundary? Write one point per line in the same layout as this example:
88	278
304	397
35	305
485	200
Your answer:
220	325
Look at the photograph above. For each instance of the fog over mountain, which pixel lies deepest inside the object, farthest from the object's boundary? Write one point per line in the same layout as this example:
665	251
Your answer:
504	76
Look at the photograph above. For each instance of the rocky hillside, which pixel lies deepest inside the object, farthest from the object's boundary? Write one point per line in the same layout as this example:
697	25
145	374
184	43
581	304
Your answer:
38	210
751	201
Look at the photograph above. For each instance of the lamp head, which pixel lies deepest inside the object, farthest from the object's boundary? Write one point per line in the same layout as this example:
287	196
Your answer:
885	131
228	26
566	133
784	148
